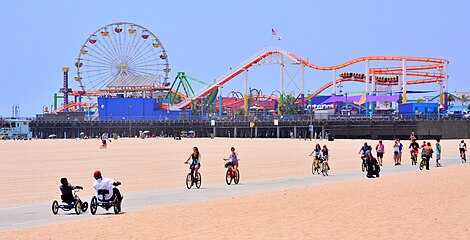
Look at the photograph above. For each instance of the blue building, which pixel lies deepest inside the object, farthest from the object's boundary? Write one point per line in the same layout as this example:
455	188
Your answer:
137	109
418	110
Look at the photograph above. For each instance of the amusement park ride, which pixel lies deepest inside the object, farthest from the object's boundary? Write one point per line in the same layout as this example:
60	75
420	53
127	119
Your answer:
127	60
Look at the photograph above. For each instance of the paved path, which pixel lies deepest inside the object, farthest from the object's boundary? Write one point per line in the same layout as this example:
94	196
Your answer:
40	213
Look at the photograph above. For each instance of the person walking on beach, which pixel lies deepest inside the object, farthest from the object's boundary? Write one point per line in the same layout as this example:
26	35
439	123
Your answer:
370	162
104	139
400	152
396	152
438	153
412	136
380	148
427	154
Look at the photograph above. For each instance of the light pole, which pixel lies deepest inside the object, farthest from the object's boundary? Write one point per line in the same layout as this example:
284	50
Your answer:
128	118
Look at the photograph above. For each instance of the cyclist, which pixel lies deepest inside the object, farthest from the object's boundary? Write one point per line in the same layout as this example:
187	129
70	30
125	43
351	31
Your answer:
438	153
66	190
380	148
422	147
325	155
414	146
317	154
362	151
196	161
234	159
462	149
107	184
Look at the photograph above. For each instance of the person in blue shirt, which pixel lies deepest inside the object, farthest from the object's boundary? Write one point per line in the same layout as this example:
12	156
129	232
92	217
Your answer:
438	153
400	151
363	151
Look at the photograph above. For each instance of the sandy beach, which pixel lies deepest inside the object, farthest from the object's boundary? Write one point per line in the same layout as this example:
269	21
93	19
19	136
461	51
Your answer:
414	205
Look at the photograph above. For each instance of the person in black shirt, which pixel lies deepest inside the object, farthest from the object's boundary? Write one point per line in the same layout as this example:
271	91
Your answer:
414	146
66	190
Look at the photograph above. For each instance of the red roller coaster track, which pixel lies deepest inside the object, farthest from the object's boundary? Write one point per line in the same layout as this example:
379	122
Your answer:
415	71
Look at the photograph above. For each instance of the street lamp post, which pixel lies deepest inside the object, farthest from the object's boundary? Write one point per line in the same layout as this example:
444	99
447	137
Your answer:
128	118
347	107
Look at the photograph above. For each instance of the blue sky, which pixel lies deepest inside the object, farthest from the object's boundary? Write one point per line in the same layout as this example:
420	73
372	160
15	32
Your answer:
206	38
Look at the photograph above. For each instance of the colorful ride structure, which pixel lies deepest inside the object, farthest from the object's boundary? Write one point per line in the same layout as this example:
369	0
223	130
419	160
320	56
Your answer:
125	60
411	71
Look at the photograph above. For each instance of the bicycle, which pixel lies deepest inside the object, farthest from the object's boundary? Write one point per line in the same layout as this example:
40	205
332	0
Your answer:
325	167
414	158
231	175
364	165
193	180
77	205
316	165
422	163
114	202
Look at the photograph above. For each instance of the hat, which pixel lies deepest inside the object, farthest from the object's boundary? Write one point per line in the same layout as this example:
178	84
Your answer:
97	174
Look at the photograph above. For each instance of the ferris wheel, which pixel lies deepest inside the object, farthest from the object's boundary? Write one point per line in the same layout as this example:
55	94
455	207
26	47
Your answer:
122	57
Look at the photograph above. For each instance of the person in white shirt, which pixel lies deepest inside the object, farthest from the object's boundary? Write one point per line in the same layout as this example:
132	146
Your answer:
106	184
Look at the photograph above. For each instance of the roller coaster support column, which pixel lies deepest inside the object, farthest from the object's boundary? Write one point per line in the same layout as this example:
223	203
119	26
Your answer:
446	85
302	87
374	89
220	101
55	100
404	79
281	97
367	87
245	95
334	82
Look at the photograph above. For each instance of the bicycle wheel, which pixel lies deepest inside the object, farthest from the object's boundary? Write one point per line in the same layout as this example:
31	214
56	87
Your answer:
421	165
324	169
78	207
313	168
117	207
189	180
363	167
55	207
84	206
228	177
199	180
93	205
237	177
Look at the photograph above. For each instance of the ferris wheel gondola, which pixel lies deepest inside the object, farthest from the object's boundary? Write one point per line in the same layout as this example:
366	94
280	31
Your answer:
122	57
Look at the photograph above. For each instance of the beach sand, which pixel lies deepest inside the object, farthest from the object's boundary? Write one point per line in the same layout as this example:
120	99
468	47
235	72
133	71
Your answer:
30	170
416	205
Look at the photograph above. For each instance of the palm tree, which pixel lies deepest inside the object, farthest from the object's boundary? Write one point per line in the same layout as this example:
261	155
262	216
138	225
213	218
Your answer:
464	98
450	98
